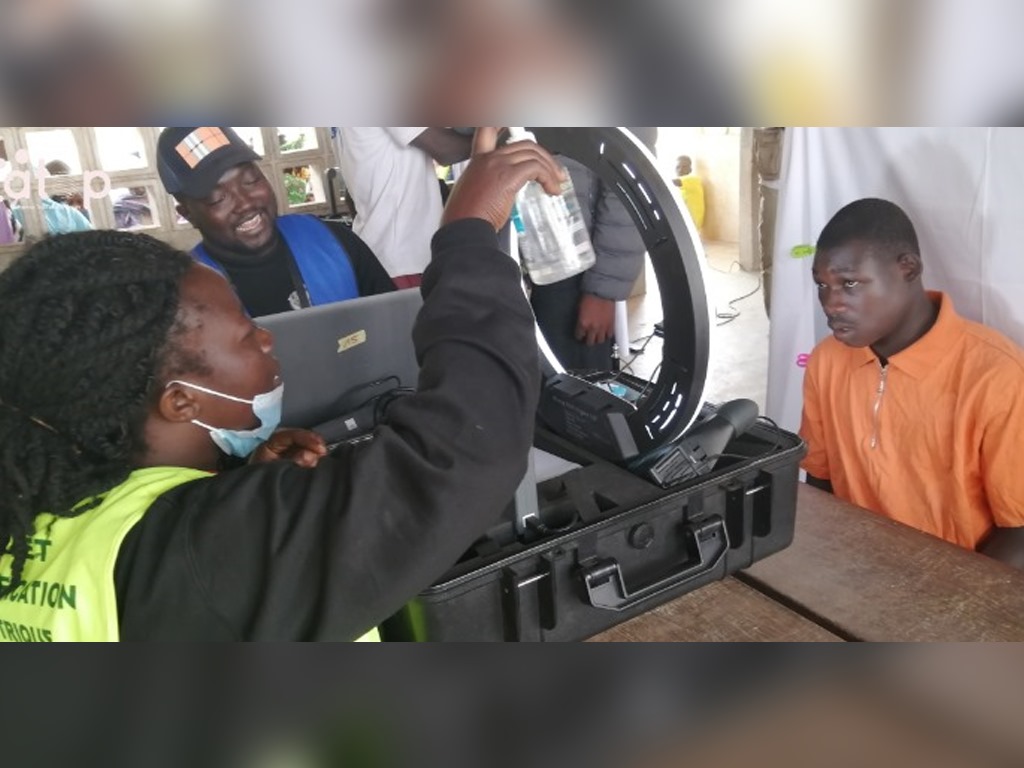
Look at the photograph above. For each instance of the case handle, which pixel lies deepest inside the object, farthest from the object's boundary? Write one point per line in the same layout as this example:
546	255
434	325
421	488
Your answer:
606	588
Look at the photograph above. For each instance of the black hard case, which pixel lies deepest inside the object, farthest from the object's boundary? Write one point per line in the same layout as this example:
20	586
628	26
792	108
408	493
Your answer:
612	546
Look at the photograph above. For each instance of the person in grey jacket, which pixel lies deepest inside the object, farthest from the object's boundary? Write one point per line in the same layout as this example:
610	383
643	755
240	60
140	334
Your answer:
577	315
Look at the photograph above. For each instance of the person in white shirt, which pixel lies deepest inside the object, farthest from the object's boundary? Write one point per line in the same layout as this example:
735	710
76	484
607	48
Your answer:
390	177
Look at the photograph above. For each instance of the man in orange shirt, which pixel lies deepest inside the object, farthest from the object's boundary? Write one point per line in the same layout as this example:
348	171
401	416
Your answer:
909	409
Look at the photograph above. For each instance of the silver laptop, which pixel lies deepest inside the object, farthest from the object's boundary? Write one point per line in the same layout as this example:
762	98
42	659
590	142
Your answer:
336	358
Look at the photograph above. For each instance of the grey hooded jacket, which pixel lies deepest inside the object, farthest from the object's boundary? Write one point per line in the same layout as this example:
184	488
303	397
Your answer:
617	242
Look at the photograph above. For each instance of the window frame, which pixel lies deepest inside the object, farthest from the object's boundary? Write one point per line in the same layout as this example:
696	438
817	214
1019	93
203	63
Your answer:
169	228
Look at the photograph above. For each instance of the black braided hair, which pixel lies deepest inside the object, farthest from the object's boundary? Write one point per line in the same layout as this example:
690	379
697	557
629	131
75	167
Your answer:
86	320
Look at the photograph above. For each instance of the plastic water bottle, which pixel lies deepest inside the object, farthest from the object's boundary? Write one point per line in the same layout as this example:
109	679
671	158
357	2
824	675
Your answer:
553	239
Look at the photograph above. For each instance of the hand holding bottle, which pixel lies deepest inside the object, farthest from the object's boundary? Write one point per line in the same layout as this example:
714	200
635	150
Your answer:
487	188
551	231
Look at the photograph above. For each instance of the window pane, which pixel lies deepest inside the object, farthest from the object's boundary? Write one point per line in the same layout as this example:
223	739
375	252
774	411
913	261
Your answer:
54	146
120	149
134	208
68	191
57	217
253	137
295	139
303	184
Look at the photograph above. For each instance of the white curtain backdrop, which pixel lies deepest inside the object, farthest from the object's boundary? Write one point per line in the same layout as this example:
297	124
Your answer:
962	187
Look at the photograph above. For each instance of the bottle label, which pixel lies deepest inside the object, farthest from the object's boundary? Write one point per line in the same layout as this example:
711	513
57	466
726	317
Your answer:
554	242
517	220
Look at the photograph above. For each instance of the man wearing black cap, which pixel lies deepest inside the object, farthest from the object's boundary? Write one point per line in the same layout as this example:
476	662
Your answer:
274	263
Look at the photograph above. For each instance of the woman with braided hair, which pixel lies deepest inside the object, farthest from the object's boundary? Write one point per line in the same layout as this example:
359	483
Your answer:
127	371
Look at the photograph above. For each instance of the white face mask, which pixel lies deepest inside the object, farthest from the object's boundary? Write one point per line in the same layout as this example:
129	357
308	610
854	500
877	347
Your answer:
242	442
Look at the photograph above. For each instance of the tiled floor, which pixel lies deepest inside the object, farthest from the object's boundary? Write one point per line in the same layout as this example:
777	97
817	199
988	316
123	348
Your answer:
739	347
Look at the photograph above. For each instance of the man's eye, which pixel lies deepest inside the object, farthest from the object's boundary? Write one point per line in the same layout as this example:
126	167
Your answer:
851	283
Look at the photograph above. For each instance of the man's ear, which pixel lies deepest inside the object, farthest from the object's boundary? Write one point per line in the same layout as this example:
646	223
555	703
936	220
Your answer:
178	404
910	265
184	211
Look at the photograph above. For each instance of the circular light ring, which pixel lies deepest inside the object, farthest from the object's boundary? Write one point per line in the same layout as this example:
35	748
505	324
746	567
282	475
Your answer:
626	166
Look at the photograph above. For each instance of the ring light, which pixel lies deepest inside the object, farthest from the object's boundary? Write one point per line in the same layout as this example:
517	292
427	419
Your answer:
585	413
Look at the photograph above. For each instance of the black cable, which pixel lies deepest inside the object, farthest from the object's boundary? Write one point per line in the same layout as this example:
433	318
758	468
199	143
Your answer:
778	445
740	456
628	365
380	401
647	384
384	401
645	339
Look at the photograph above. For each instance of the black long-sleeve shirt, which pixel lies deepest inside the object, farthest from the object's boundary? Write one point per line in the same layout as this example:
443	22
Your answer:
277	551
271	283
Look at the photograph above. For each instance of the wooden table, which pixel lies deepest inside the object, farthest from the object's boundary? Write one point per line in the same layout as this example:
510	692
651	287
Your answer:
849	574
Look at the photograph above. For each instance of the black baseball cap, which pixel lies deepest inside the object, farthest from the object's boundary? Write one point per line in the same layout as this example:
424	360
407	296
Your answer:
192	160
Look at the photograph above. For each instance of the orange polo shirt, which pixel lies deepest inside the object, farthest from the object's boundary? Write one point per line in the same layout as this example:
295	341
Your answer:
935	440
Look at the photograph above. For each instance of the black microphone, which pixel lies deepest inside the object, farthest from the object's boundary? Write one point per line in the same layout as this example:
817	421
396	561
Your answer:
697	451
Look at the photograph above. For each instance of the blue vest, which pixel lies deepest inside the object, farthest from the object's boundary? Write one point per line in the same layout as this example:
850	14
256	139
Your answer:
322	260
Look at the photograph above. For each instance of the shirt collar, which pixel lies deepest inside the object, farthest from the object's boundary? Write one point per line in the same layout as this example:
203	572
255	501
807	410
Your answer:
924	355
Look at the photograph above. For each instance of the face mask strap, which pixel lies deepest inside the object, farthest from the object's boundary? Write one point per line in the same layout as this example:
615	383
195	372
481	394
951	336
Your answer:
270	399
242	442
208	391
204	425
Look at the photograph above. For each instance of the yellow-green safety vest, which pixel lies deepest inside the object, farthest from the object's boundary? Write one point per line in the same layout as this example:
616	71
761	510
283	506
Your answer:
67	589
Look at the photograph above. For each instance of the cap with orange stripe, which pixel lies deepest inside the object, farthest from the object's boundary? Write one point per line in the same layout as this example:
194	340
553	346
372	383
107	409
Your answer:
192	160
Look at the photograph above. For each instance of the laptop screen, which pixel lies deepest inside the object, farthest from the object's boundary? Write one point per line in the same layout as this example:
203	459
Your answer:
335	357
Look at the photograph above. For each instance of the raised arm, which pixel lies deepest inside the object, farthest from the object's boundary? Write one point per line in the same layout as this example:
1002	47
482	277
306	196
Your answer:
445	145
279	551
